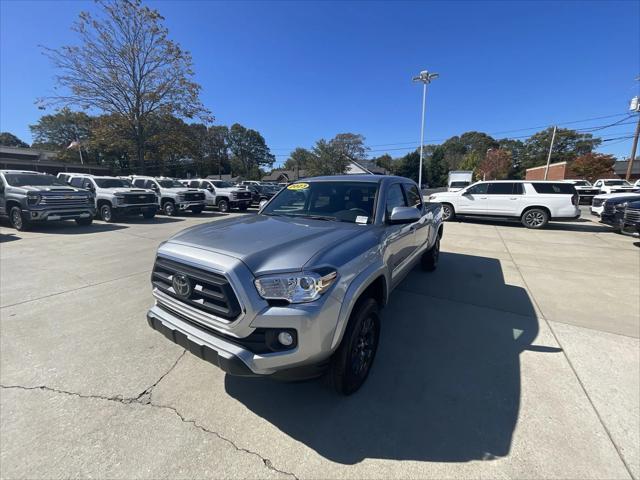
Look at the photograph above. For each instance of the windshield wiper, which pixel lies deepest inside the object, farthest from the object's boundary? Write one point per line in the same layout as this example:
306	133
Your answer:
320	217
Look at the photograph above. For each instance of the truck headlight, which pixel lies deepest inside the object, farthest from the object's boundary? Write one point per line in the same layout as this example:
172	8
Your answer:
295	287
181	197
119	199
33	198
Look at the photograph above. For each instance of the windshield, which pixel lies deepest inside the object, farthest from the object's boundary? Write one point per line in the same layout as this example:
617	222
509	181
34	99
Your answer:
221	184
339	201
610	183
170	184
111	183
459	184
581	183
33	180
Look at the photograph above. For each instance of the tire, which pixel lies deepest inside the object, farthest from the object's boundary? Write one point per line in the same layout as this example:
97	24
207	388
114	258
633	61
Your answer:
535	218
352	361
17	220
223	205
429	260
107	214
197	210
169	208
448	213
149	214
83	222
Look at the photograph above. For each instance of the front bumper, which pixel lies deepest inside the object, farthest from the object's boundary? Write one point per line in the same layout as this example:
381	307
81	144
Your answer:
135	209
188	205
315	323
54	214
240	203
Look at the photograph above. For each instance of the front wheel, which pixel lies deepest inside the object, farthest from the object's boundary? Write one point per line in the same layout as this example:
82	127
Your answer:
535	218
448	213
429	260
149	214
197	210
106	213
83	222
223	205
351	363
18	221
169	209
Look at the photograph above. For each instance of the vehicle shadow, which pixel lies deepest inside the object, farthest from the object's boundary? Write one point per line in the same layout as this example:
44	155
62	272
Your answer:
446	381
69	227
8	237
139	220
578	225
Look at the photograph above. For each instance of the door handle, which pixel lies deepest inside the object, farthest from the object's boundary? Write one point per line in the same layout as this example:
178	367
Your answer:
483	198
513	198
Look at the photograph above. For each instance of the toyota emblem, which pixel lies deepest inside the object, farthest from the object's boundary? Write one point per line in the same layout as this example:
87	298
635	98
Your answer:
181	285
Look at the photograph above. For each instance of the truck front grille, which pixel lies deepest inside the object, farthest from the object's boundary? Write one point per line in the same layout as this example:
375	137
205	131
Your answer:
244	195
200	289
139	198
632	215
193	197
64	201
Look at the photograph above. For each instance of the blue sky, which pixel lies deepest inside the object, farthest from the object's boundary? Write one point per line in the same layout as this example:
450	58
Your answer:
300	71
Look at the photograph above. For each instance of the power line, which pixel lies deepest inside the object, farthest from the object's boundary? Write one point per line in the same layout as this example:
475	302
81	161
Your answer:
502	131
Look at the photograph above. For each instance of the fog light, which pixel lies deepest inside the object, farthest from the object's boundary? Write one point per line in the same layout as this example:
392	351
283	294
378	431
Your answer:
285	338
34	214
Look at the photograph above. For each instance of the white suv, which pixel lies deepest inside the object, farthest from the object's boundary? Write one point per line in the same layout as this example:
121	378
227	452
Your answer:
613	185
533	203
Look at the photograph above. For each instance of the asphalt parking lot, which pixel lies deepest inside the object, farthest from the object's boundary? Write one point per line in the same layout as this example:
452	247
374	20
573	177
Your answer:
517	358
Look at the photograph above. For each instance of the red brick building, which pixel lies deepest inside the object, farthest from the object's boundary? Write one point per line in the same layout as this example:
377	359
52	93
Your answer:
557	171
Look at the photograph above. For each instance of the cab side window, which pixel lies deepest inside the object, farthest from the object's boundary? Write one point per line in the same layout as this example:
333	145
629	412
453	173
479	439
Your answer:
479	189
87	184
138	182
194	184
150	184
413	196
76	182
395	198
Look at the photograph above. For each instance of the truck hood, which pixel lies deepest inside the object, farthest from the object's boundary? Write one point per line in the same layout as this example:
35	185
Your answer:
270	244
52	189
125	190
179	190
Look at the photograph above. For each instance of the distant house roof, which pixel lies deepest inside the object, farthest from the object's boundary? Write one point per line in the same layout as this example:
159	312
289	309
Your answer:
19	158
282	175
620	167
226	177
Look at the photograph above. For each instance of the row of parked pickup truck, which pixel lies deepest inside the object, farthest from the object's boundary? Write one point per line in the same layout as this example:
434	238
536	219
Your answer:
27	197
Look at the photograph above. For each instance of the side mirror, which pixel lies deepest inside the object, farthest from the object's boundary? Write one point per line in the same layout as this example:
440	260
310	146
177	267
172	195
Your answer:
90	187
404	215
210	188
154	187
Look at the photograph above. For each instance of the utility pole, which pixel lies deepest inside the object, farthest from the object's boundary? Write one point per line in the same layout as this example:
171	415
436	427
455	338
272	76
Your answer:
425	77
553	139
635	106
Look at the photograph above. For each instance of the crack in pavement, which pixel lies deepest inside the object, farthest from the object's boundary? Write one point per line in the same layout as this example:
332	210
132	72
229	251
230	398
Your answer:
144	399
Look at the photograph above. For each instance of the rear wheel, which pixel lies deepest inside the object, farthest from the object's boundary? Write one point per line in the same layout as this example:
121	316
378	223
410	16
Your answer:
223	205
106	213
448	213
18	221
535	218
351	363
83	222
429	260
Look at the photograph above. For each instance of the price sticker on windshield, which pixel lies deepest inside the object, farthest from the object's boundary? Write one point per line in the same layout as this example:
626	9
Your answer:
362	219
298	186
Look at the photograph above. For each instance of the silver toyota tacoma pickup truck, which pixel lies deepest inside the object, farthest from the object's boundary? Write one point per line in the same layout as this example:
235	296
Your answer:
295	291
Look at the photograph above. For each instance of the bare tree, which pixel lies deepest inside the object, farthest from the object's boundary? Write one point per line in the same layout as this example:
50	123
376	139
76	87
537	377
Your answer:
126	65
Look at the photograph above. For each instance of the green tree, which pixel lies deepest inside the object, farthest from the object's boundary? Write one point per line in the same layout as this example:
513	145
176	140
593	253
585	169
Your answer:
518	152
298	160
384	161
111	144
437	169
457	148
568	145
471	161
56	132
249	151
326	160
126	65
10	140
592	166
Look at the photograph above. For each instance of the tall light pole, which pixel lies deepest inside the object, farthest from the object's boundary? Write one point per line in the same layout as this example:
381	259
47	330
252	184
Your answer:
425	77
